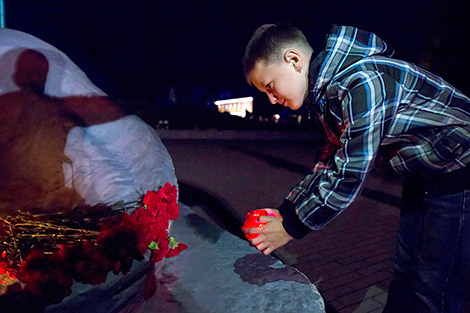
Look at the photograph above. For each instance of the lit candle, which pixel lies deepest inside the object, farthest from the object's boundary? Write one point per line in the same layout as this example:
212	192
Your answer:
251	220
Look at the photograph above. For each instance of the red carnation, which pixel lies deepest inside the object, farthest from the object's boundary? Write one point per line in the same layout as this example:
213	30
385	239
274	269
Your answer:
151	199
163	248
168	192
89	264
119	246
43	276
122	239
163	201
144	225
173	210
177	250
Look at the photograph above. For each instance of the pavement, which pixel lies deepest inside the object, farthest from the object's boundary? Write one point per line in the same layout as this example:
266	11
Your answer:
349	260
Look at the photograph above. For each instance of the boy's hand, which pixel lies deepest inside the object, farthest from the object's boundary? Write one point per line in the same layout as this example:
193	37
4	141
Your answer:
271	236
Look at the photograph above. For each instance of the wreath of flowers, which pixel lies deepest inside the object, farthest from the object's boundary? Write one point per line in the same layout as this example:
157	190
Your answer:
42	255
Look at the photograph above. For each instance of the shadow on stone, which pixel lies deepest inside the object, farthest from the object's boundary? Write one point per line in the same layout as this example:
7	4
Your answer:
203	228
257	269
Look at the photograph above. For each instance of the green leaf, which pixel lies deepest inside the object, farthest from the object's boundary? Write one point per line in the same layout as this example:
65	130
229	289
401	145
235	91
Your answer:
173	243
153	245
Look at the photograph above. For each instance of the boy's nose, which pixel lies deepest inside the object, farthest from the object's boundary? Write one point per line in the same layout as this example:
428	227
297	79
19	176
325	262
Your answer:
272	98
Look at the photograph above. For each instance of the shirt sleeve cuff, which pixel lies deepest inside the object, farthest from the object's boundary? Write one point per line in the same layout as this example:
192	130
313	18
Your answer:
291	221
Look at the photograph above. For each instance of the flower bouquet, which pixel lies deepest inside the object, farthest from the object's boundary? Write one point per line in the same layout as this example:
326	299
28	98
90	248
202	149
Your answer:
42	255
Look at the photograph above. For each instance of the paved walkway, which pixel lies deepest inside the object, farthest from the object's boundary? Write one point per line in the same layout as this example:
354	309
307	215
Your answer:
350	260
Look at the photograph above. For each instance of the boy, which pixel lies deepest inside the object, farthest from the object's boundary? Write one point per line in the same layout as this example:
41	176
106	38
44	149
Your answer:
373	107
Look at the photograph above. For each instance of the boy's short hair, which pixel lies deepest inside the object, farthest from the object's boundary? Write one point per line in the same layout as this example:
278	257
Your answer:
267	43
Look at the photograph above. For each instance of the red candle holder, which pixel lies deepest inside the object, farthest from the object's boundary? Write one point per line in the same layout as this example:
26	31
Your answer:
251	220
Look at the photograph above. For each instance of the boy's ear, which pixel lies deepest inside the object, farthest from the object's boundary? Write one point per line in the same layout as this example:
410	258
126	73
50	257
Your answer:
293	57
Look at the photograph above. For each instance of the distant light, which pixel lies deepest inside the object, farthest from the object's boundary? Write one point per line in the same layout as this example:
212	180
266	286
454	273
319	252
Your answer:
276	116
242	100
237	106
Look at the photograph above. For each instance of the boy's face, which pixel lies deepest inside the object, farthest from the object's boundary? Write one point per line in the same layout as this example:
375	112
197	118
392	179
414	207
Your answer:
284	82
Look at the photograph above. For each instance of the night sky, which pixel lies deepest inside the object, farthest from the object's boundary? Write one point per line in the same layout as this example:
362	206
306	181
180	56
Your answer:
138	49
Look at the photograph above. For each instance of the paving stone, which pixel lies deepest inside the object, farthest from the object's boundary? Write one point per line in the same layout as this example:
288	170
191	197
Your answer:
376	267
353	267
370	303
368	306
340	280
369	280
336	293
382	298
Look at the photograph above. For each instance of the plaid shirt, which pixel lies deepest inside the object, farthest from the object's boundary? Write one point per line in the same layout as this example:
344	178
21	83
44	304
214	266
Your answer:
371	105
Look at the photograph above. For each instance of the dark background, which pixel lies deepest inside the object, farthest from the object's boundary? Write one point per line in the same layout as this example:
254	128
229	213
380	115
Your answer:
139	49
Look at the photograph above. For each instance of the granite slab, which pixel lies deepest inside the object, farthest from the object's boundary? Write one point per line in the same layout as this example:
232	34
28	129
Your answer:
222	273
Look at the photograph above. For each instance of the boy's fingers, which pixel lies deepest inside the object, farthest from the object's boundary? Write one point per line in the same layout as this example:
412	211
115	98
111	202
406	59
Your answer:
256	241
265	219
261	246
267	251
255	230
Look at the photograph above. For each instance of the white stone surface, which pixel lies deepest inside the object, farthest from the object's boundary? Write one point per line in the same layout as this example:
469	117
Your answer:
116	161
221	273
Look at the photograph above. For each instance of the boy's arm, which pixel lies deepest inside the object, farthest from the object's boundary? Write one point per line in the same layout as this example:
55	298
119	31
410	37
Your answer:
368	108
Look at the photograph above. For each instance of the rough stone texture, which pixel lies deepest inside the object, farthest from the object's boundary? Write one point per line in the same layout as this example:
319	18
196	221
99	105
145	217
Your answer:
116	161
222	273
120	294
